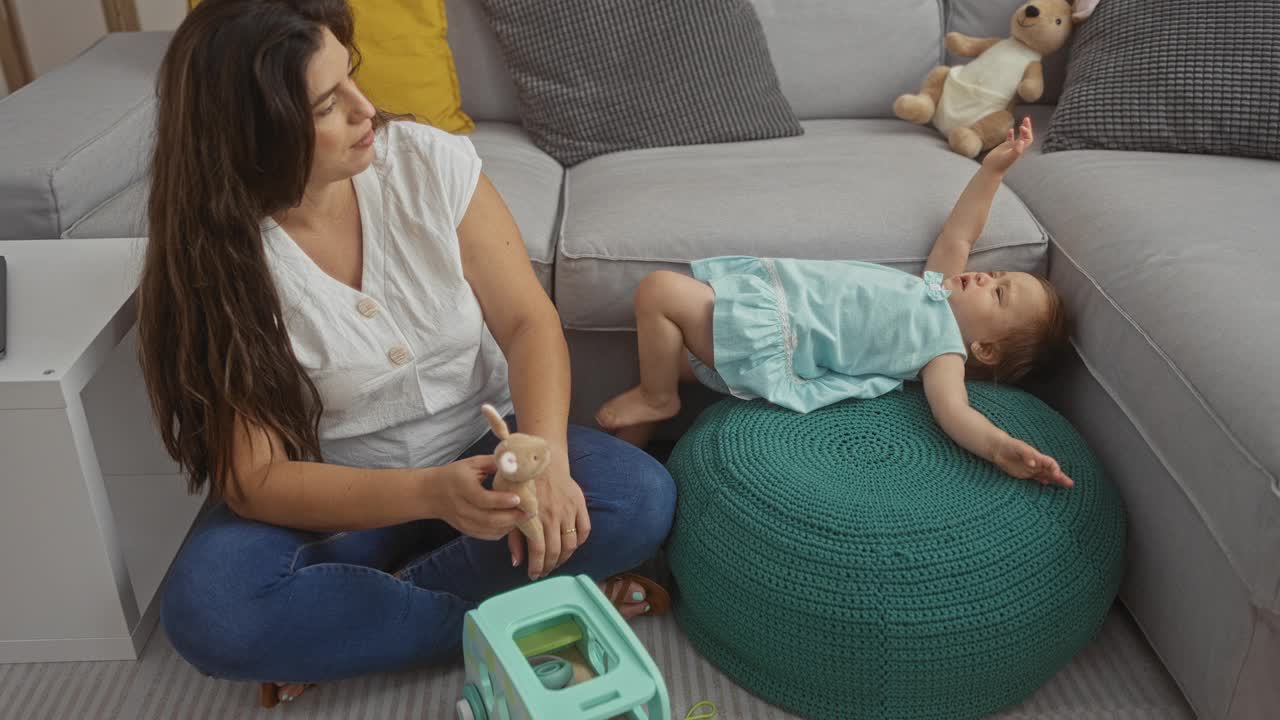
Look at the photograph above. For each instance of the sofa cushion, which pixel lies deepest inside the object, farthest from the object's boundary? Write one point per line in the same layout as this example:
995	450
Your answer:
527	178
991	18
601	76
1169	264
406	65
1196	76
874	190
841	59
529	181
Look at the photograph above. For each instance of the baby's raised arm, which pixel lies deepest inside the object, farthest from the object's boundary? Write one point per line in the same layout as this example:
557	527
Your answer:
969	216
949	400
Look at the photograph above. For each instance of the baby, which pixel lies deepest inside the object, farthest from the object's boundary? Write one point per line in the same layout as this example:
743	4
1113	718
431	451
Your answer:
808	333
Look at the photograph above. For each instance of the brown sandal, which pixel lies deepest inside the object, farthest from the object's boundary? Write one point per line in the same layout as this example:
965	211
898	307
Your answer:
269	694
657	596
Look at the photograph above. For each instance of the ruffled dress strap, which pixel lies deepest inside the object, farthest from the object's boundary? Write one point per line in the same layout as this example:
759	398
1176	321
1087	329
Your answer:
933	286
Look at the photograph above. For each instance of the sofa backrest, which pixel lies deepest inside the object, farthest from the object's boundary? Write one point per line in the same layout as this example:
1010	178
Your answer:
834	58
488	92
850	58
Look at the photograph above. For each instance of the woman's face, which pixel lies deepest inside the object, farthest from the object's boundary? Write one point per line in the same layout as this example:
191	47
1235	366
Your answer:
342	114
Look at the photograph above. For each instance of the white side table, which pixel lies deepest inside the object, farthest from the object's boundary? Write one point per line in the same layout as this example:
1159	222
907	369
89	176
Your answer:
82	551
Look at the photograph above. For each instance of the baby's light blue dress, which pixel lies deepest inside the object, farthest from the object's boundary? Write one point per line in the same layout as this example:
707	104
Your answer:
804	334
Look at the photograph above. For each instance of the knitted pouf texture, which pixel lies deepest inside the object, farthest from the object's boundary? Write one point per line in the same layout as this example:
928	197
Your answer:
855	562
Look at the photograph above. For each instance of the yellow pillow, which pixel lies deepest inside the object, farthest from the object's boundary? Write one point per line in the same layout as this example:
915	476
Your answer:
406	65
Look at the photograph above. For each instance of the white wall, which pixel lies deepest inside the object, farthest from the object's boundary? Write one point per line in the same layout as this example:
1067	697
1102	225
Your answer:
161	14
57	30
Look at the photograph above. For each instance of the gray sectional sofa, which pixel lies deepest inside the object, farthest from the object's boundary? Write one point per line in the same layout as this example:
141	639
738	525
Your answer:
1170	264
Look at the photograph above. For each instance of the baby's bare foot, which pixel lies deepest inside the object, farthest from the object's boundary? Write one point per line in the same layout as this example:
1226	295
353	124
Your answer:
634	407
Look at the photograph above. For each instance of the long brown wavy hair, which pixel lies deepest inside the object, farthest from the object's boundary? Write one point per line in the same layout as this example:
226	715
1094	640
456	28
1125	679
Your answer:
235	139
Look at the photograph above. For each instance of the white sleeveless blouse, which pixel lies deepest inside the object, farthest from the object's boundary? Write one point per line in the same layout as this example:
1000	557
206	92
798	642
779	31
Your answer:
403	364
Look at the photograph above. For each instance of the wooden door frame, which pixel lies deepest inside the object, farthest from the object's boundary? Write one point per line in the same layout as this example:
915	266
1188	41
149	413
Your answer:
14	60
121	15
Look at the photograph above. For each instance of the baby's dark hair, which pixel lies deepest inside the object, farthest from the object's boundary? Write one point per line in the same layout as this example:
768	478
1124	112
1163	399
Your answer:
1031	352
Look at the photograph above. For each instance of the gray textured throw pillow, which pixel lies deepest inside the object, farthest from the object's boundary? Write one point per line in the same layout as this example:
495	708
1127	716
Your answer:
1197	76
599	76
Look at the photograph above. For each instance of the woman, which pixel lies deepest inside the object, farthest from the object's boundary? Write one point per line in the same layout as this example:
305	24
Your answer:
328	298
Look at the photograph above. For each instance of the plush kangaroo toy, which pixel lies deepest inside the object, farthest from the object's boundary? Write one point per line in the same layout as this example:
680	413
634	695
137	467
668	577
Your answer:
972	105
520	459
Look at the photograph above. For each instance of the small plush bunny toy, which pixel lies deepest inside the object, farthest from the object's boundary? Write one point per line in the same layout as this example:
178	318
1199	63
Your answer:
520	459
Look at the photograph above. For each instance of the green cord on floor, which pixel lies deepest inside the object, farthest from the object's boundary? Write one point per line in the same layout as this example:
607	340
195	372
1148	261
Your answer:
692	710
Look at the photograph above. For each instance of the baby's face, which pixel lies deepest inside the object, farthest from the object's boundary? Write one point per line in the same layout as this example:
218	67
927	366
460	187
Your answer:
988	305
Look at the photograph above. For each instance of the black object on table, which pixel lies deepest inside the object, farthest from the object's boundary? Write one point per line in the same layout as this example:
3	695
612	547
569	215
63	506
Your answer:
3	309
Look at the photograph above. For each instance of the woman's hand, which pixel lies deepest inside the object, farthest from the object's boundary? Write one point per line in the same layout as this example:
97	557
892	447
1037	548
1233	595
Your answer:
1025	462
562	508
1003	156
461	500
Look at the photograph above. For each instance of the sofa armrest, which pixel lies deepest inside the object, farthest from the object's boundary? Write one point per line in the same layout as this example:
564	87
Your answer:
78	135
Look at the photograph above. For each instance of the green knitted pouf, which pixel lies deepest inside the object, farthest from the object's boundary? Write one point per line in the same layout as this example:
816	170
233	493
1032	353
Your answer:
855	562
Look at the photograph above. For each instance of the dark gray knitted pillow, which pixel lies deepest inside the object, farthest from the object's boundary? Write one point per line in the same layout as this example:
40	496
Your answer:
598	76
1197	76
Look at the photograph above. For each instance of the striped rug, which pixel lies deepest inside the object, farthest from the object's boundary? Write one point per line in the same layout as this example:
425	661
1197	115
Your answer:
1116	677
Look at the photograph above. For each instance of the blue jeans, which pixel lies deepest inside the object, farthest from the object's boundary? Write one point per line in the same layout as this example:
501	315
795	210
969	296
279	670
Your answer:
246	600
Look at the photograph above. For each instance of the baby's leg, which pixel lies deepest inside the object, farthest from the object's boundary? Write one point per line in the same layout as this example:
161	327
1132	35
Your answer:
673	312
641	433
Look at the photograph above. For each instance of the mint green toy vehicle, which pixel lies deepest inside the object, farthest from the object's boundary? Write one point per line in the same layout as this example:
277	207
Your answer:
515	646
